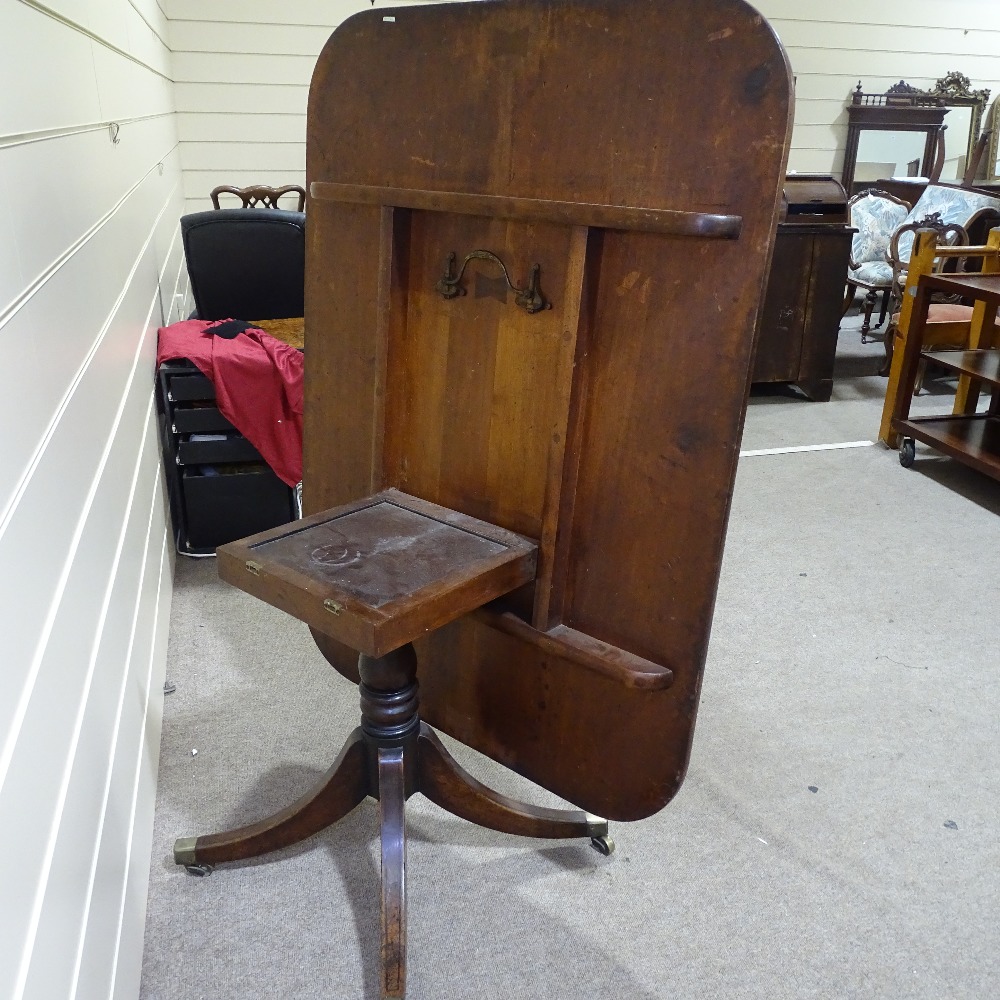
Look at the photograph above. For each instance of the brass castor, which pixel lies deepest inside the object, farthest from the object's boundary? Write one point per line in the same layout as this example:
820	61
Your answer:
603	845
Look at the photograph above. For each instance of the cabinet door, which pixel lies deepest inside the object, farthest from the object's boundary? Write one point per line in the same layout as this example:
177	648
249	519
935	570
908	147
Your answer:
779	341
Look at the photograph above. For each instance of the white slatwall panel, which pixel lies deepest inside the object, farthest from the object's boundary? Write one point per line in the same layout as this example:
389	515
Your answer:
90	264
242	73
833	46
242	84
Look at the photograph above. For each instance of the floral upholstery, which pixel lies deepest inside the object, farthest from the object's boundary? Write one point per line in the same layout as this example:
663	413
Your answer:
875	219
873	272
953	204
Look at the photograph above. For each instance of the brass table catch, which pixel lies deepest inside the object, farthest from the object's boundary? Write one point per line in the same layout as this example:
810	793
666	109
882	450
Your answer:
530	299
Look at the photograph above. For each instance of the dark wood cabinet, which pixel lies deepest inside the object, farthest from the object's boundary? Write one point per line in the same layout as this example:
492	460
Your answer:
803	303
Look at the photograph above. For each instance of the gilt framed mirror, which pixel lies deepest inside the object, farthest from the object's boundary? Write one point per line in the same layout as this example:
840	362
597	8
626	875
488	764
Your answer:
966	108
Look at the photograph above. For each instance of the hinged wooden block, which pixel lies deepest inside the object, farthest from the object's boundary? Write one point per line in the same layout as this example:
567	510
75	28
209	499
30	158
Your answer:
382	571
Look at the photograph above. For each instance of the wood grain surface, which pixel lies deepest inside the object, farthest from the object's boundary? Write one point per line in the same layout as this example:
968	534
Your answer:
607	427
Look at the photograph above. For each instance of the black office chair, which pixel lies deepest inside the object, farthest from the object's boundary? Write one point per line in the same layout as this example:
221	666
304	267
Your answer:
246	263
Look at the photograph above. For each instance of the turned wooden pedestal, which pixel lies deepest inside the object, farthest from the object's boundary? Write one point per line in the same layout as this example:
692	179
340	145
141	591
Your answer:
377	574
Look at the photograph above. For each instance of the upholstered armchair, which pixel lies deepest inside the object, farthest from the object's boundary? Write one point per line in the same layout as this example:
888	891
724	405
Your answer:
875	215
944	205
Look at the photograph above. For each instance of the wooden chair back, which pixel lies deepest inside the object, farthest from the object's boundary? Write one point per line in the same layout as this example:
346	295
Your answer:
978	152
261	196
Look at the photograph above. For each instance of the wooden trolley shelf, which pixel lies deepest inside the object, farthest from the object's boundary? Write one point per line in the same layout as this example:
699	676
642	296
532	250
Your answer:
972	438
984	365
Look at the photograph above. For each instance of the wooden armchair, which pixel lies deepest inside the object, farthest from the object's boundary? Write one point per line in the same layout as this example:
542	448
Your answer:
948	325
948	233
260	195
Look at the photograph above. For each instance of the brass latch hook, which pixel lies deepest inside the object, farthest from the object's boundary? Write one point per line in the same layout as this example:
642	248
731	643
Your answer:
530	298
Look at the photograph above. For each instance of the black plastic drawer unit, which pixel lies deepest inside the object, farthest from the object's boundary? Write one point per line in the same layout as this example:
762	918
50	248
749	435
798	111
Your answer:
215	449
199	419
219	486
189	385
232	502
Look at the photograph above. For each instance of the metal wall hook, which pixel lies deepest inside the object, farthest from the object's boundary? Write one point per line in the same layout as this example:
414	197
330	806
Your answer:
529	298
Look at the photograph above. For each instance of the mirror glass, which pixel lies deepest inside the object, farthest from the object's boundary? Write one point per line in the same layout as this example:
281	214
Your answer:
888	154
958	125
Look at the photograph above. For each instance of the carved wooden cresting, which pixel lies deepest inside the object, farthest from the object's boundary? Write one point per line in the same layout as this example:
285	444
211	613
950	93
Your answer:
537	235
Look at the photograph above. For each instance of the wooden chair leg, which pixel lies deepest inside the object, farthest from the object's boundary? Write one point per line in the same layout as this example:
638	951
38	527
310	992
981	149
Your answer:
849	294
392	831
888	342
884	308
343	787
447	784
866	326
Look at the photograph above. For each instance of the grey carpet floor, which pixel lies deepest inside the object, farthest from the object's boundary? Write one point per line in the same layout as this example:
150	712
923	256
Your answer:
836	836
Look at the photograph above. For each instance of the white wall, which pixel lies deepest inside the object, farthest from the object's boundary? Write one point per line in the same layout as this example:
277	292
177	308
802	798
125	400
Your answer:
88	238
242	73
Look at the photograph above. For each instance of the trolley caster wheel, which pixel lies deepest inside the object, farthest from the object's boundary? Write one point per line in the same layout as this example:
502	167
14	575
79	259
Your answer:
907	452
199	869
603	845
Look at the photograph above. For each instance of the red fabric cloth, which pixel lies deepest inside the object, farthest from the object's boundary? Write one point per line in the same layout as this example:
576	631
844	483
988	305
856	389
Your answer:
258	386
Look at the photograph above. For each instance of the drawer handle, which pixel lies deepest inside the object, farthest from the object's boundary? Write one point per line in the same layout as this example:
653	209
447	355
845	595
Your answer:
253	567
333	607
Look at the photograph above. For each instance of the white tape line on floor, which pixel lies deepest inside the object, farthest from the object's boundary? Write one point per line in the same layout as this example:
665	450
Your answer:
754	453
